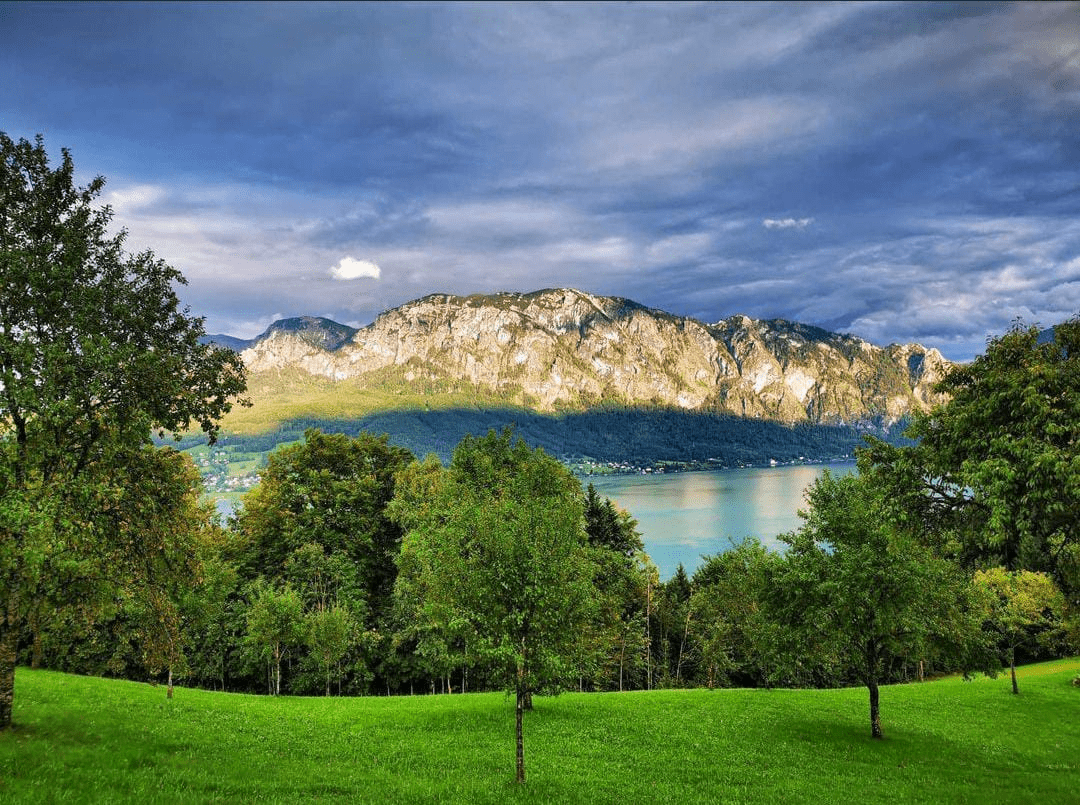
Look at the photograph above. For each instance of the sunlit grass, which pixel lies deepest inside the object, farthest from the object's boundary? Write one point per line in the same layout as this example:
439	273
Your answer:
285	395
89	740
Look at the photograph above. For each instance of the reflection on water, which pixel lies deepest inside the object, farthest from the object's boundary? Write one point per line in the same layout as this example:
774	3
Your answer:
685	515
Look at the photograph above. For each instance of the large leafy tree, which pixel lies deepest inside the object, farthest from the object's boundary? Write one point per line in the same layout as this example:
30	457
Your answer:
994	476
95	353
318	522
863	591
496	546
330	492
729	623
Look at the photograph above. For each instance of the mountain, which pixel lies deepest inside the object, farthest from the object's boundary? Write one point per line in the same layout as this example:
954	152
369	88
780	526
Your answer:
565	350
312	330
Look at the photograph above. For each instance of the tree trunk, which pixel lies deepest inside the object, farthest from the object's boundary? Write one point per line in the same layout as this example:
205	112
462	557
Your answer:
168	690
520	717
622	656
277	671
682	644
1012	669
9	643
875	710
35	631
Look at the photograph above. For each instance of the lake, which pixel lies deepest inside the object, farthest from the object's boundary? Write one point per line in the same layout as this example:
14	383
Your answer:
684	515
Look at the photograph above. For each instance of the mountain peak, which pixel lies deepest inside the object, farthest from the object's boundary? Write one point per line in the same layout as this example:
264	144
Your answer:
315	330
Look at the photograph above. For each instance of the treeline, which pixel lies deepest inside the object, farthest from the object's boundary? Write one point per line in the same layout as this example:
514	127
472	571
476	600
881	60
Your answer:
354	568
620	435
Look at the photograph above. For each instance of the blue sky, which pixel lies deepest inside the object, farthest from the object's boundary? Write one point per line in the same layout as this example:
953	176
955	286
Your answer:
903	172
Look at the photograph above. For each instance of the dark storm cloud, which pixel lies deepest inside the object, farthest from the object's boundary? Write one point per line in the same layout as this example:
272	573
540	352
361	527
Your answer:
901	171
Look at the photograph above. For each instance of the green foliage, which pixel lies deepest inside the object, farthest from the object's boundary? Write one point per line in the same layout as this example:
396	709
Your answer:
317	524
330	634
863	593
120	610
274	627
994	478
615	649
95	352
329	491
1023	608
733	635
496	545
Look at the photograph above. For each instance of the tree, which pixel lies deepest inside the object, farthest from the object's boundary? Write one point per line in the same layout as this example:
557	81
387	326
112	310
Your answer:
674	617
858	588
134	623
329	492
1021	607
95	353
497	545
994	477
618	636
330	633
275	626
729	623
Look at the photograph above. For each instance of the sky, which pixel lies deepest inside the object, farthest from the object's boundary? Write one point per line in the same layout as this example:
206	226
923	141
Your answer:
899	171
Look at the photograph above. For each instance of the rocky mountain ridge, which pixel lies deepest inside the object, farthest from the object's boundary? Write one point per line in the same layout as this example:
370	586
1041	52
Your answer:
563	349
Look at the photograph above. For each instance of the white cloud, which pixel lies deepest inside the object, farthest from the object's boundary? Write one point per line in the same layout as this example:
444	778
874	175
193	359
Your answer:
131	198
787	223
349	268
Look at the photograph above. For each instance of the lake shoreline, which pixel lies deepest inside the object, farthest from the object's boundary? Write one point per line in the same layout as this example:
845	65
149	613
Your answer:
674	468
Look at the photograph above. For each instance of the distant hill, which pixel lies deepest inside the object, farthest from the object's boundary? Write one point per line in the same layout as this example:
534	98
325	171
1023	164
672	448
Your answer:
313	330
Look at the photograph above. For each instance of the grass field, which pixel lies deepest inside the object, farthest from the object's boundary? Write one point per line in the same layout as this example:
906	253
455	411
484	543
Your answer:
81	739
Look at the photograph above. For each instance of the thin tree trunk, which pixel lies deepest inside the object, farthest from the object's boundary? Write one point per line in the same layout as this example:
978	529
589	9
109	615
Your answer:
277	671
1012	669
168	689
522	692
682	644
648	633
875	710
520	717
9	643
622	656
35	631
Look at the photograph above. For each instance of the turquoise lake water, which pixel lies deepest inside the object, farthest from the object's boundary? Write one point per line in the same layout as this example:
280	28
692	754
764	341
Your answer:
684	515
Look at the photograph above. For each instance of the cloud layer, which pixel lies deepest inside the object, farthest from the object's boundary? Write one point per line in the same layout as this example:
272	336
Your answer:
900	171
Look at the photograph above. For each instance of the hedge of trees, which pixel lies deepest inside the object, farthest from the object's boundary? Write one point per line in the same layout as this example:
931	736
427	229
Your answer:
346	571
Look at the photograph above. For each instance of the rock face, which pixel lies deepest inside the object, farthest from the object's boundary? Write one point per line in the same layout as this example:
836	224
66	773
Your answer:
567	349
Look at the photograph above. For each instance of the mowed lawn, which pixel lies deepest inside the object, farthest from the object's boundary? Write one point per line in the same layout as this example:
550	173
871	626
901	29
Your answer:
81	739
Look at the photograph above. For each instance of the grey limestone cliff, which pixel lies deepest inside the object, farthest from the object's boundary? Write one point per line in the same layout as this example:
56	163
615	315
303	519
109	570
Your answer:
568	349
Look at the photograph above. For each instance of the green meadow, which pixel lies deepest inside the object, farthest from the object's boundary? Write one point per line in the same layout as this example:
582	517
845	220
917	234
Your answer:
82	739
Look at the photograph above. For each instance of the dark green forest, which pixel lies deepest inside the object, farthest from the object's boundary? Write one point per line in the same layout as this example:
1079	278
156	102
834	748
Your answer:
638	437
